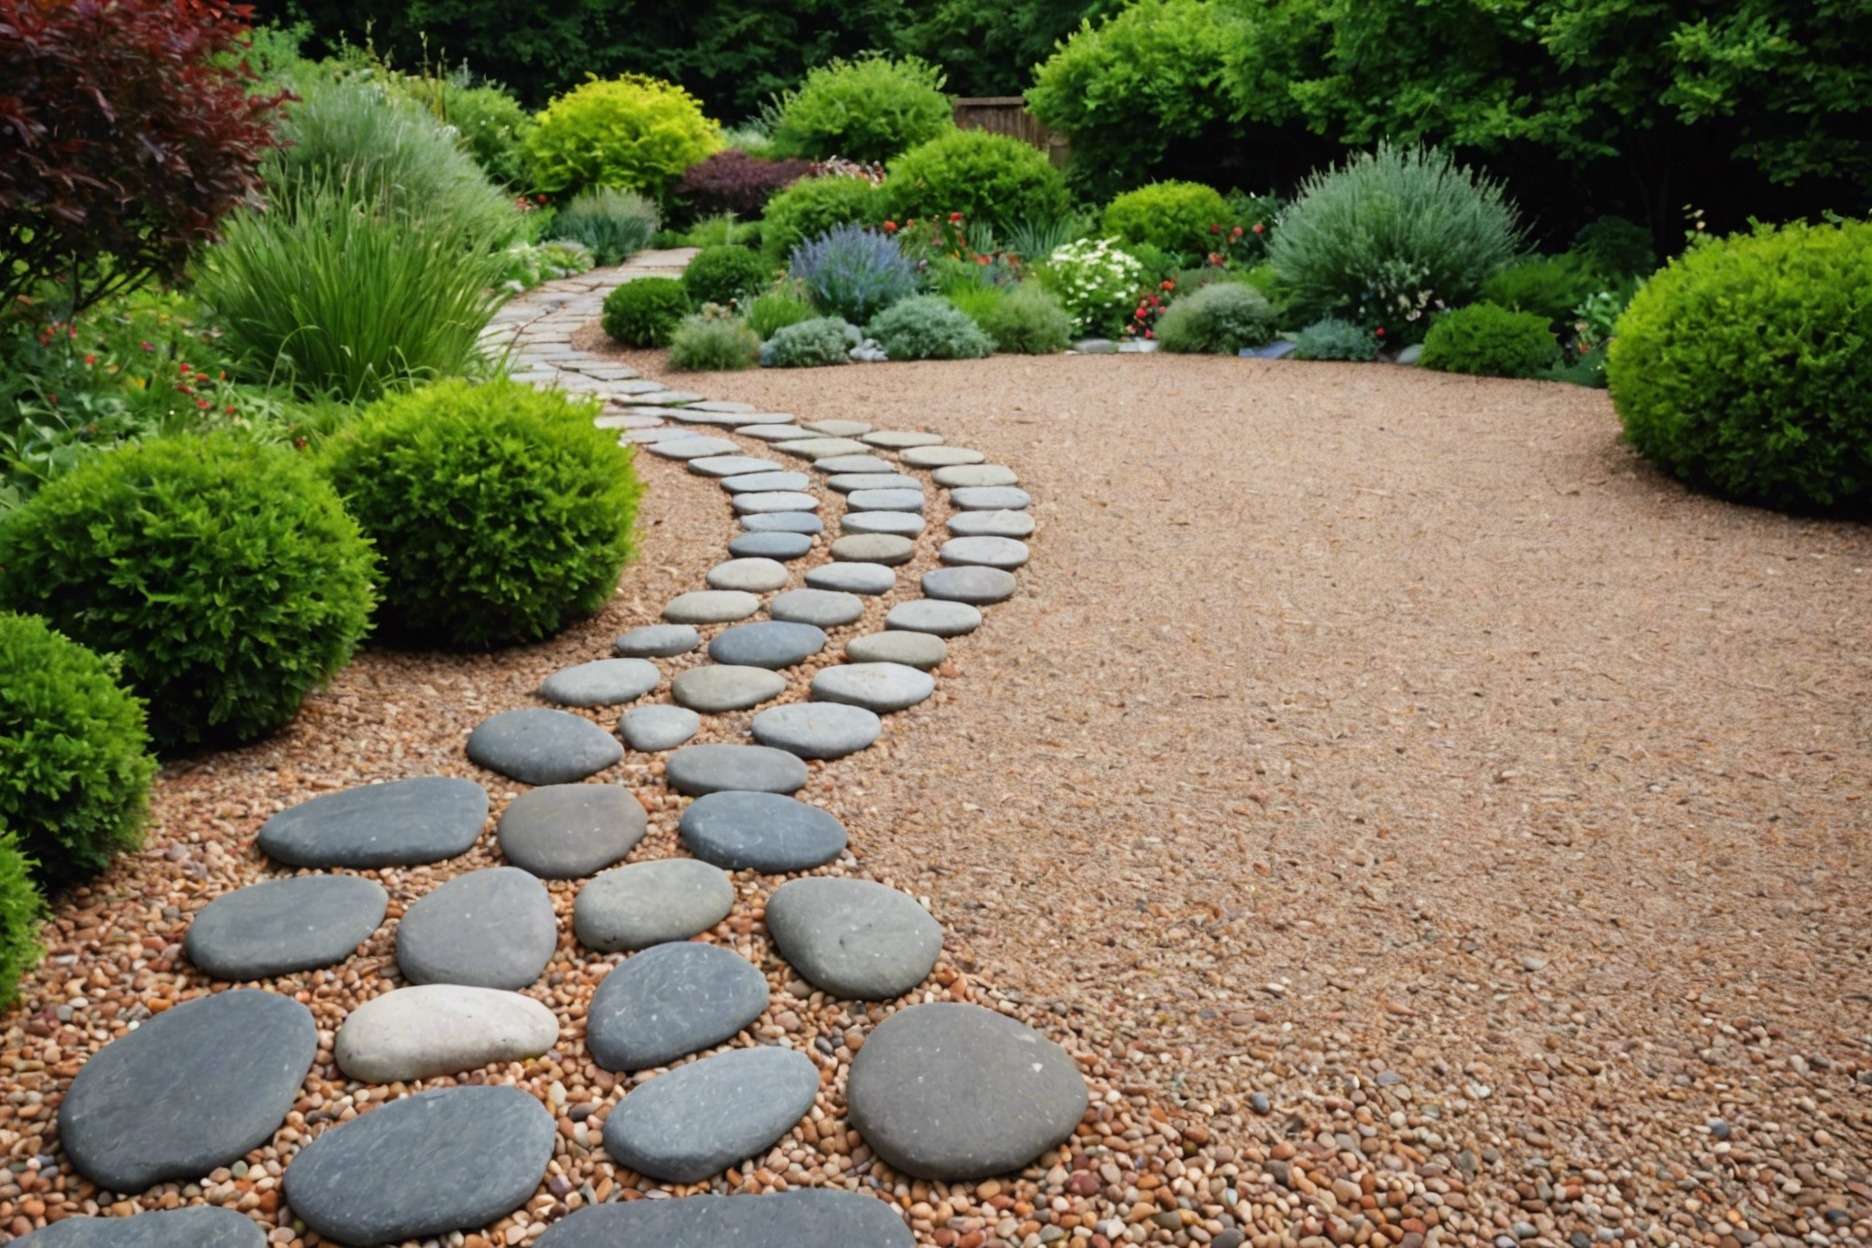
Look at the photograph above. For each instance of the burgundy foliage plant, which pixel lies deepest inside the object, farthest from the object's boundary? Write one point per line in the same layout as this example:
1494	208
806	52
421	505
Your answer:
733	181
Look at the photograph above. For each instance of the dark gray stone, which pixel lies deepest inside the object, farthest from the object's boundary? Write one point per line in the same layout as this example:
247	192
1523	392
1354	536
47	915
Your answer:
671	1000
783	522
903	523
953	1091
761	832
451	1160
924	650
535	745
803	1218
399	824
817	729
175	1228
976	586
885	500
649	903
991	498
565	831
767	643
657	641
696	770
852	578
880	687
491	928
854	938
281	926
602	682
769	545
192	1088
652	728
699	1119
823	608
717	687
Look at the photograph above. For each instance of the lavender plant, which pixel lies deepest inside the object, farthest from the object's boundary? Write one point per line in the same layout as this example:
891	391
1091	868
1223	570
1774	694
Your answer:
853	272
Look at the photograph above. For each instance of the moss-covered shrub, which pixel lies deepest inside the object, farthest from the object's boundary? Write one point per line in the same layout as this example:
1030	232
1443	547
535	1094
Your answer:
1218	320
1334	339
773	310
812	206
1743	367
1549	286
633	133
224	574
645	312
811	344
708	344
1174	216
988	178
928	327
869	109
500	512
22	910
1027	321
725	274
1490	341
75	765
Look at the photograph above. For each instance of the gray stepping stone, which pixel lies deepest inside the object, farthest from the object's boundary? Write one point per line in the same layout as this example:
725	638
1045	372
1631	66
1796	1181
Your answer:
783	522
696	770
711	606
991	524
658	641
822	607
991	498
888	549
454	1159
804	1216
924	650
769	545
988	552
699	1119
852	578
653	728
732	465
441	1029
772	433
403	823
740	831
650	903
203	1227
601	682
192	1088
491	928
901	439
952	1091
903	523
281	926
672	397
669	1001
643	435
566	831
881	687
732	406
839	465
928	615
772	501
755	575
941	456
690	447
720	687
839	428
853	938
820	448
846	482
885	500
959	476
766	482
976	586
817	729
693	415
767	643
535	745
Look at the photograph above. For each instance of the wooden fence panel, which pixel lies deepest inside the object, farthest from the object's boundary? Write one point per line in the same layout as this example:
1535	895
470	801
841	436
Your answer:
1007	114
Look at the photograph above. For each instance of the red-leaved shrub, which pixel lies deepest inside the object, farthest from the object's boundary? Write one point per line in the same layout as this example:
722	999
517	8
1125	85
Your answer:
127	130
733	181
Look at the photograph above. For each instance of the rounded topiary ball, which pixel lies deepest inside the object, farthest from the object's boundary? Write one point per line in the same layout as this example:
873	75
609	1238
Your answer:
500	512
1490	341
985	177
22	910
224	574
75	765
1743	367
724	274
1185	217
645	312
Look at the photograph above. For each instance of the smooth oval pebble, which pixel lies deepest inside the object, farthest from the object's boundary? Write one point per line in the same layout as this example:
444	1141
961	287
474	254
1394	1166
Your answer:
987	552
658	641
450	1160
924	650
817	729
839	428
889	549
566	831
903	523
649	903
718	687
847	482
669	1001
401	823
991	524
930	615
801	1218
820	448
492	928
690	447
837	464
701	1118
823	608
767	643
971	585
653	728
536	745
741	831
885	500
696	770
852	578
766	482
960	476
755	575
601	682
991	498
772	433
769	545
711	606
441	1029
941	456
203	1226
901	439
854	938
277	927
770	501
881	687
783	522
724	466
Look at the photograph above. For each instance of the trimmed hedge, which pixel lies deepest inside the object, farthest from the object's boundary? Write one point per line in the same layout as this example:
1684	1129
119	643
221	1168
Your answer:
1490	341
1175	216
645	312
989	178
724	274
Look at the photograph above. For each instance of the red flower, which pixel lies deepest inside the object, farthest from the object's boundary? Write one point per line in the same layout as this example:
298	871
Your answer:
540	199
890	227
230	409
183	368
147	346
954	218
1167	284
203	404
90	359
1259	228
1379	331
1150	333
1215	227
1236	232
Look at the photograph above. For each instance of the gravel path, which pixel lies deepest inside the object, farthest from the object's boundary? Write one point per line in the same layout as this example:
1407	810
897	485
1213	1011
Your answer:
1467	821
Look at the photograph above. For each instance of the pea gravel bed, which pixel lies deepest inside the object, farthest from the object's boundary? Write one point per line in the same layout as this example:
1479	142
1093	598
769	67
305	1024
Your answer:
1464	822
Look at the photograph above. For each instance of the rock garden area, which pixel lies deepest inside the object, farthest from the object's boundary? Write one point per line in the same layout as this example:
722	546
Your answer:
585	678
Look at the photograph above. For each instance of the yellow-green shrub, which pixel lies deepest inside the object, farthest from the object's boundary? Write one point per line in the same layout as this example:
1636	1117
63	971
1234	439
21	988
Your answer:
635	133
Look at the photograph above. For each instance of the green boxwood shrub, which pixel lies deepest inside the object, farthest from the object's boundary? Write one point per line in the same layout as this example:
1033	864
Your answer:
725	274
1490	341
1742	367
988	178
75	765
813	206
1549	286
928	327
22	910
1027	321
225	575
707	344
1334	339
1218	320
870	109
500	512
644	312
634	133
1173	216
811	344
773	310
613	225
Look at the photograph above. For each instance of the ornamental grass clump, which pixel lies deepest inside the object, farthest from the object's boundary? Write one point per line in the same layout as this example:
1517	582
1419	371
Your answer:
811	344
614	225
1096	282
1027	321
853	272
773	310
708	344
929	327
1217	320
